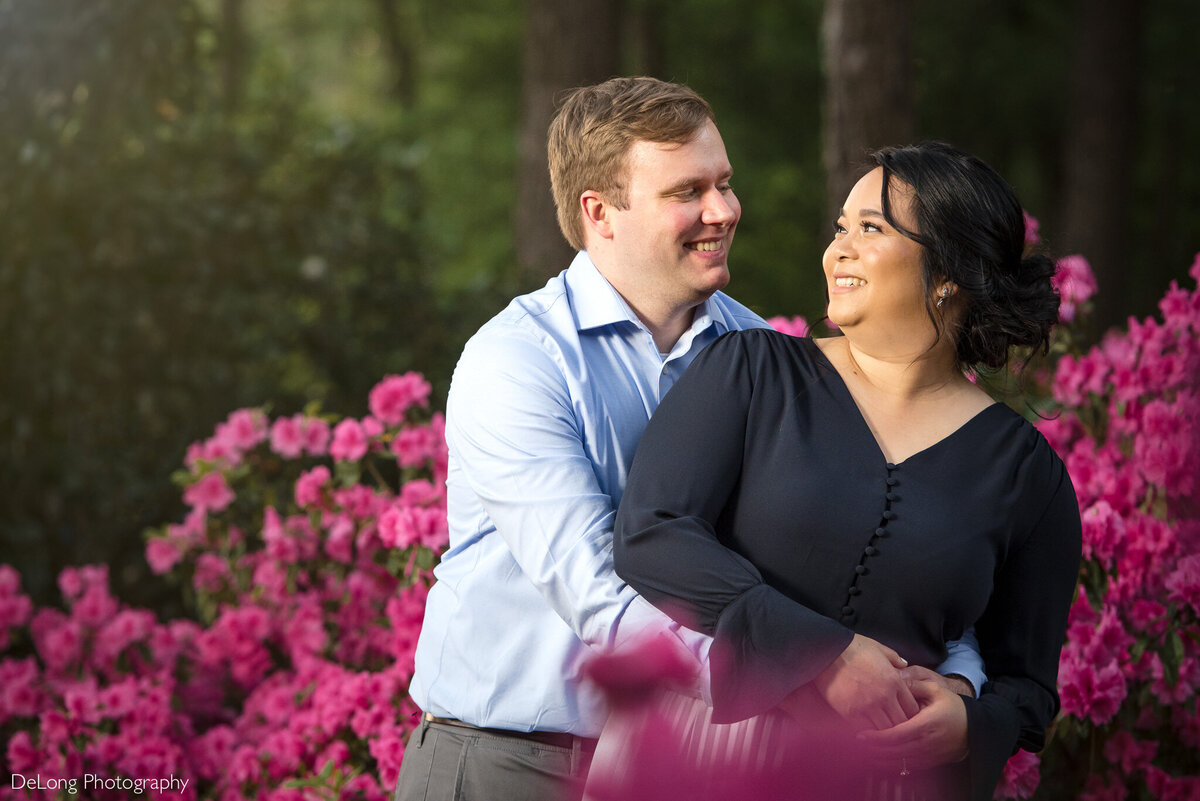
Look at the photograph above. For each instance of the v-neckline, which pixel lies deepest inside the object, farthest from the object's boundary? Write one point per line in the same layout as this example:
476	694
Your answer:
862	420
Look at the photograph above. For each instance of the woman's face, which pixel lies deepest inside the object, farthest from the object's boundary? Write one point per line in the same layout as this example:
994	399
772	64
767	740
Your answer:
872	271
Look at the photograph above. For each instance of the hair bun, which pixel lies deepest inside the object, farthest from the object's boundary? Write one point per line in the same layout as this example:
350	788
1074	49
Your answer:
1023	308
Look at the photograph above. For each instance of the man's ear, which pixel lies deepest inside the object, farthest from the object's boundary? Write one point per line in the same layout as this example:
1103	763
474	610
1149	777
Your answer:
596	212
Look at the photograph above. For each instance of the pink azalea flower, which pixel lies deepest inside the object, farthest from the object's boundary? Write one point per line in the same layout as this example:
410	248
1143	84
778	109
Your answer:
1090	691
1184	582
287	436
371	427
162	555
210	493
1103	533
20	690
1021	776
211	573
391	398
349	441
1148	617
1075	284
1031	229
414	445
242	430
339	539
388	750
316	436
792	326
1132	756
21	755
310	487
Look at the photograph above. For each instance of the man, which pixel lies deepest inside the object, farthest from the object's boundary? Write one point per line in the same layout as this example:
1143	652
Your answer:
545	410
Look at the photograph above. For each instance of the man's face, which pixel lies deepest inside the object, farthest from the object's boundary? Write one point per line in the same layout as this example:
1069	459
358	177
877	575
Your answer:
672	242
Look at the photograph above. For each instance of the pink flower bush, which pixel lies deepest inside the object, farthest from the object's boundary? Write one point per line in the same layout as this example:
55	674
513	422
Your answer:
307	550
293	684
1128	428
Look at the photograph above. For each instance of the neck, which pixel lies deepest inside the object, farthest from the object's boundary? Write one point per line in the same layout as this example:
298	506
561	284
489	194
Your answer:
905	373
665	317
665	324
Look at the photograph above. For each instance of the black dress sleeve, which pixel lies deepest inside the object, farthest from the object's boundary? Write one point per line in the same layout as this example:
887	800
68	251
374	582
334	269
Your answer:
1021	634
666	543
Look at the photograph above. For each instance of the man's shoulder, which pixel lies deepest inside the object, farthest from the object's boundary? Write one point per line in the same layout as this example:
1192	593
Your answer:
527	335
737	316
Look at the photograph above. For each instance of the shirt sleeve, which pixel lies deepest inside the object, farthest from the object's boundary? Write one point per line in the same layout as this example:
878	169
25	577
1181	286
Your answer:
511	426
963	659
1021	635
687	466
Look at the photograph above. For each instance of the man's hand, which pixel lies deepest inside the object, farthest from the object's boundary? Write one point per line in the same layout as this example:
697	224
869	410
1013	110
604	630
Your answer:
934	736
864	685
954	683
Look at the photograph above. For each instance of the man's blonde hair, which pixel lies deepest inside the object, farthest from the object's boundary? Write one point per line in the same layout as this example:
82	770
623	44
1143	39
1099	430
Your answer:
592	132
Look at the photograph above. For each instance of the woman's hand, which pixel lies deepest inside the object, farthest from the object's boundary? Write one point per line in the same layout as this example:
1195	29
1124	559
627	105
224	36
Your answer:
934	736
954	683
864	685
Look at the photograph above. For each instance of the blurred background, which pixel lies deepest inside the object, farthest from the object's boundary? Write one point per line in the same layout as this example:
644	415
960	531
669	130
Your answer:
208	204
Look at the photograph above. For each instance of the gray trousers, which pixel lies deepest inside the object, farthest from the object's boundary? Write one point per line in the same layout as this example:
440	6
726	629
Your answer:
453	763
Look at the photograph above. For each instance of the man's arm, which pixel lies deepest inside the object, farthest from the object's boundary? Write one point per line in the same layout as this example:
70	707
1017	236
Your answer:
964	666
513	429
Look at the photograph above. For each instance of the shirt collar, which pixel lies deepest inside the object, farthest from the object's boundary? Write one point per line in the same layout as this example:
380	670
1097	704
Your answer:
596	303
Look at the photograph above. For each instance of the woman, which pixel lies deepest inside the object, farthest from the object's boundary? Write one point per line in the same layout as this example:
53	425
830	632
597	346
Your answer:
813	503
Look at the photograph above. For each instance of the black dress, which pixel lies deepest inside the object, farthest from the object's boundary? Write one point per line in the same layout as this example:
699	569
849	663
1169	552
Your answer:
761	510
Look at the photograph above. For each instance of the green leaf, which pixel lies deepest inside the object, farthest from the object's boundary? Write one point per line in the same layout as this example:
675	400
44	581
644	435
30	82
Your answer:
347	474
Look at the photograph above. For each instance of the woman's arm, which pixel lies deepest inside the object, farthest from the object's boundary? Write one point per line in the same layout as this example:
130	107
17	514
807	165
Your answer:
686	471
1021	635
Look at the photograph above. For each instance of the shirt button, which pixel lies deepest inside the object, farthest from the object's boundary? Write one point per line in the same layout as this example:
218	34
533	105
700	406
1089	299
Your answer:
855	591
881	532
870	551
891	496
889	515
848	611
861	570
892	481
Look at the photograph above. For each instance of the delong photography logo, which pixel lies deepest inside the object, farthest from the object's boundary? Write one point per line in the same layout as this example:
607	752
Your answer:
94	781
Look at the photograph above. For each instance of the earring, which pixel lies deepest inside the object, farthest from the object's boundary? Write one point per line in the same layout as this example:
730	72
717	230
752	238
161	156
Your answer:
945	294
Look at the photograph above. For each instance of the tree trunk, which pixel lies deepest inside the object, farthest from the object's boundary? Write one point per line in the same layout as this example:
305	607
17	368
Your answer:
867	56
1099	143
397	25
567	43
643	38
233	55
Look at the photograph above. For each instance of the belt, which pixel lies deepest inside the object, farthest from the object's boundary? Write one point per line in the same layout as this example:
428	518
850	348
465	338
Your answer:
558	739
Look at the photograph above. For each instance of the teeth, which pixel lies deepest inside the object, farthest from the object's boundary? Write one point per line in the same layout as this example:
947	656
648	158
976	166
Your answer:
850	281
706	246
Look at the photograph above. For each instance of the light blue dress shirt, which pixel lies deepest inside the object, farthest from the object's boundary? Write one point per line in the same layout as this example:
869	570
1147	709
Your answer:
545	410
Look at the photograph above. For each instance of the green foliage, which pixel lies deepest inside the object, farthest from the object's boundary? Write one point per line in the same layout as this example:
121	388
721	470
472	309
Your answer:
166	261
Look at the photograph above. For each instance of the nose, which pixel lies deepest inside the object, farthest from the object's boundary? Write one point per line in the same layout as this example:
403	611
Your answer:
841	247
720	208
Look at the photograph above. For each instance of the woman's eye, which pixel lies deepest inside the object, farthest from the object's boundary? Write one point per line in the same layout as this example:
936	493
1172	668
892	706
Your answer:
838	228
870	226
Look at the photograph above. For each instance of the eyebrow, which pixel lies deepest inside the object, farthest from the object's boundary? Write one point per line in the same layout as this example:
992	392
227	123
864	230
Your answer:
862	213
687	183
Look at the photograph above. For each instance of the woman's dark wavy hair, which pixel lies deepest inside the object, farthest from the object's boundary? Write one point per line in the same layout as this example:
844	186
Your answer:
972	229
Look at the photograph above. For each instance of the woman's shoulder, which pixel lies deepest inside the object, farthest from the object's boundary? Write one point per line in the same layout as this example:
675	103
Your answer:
766	349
